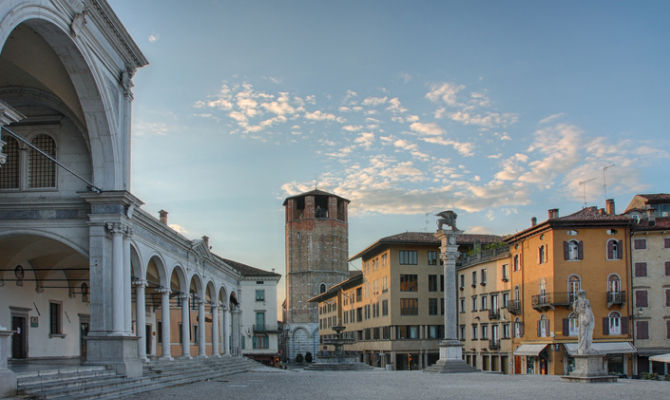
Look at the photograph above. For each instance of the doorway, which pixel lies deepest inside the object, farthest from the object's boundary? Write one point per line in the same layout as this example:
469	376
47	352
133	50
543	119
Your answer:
83	332
19	337
148	335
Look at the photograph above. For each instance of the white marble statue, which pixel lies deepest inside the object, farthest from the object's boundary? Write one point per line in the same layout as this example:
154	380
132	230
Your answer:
582	306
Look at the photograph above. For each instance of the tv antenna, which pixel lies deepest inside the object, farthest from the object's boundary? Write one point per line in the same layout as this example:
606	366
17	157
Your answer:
583	184
605	168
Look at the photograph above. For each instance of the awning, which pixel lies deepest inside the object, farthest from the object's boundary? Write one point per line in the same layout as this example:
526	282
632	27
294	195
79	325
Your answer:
529	349
604	348
661	358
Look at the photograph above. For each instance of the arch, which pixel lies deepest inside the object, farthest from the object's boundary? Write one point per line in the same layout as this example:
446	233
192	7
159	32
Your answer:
196	288
614	323
178	280
323	287
614	249
574	283
222	297
297	332
46	234
136	270
98	109
613	283
210	292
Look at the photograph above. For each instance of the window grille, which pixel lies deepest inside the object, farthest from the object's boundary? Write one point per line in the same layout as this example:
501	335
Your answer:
41	170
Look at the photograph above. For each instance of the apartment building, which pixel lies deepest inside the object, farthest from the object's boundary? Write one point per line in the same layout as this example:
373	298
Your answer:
394	309
553	261
650	270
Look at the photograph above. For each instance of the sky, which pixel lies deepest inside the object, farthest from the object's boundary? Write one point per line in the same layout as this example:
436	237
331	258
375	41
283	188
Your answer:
497	110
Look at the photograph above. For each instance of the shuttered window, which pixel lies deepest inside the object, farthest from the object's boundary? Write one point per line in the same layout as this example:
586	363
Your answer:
666	242
642	329
641	298
640	244
640	269
667	268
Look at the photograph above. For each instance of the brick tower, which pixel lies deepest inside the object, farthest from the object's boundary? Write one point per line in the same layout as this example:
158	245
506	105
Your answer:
317	247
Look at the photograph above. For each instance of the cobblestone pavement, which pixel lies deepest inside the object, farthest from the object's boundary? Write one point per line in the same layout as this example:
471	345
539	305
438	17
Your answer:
380	384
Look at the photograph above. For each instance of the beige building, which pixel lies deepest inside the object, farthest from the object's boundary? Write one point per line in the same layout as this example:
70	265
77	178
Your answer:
394	309
650	271
484	318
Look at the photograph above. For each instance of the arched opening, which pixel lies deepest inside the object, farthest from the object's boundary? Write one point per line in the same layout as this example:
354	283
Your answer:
44	289
178	302
574	287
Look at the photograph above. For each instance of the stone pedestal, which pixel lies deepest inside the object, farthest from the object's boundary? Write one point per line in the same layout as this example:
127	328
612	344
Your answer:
7	377
118	352
589	369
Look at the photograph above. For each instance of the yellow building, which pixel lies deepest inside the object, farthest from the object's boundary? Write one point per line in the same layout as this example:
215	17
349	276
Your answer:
394	309
550	263
484	321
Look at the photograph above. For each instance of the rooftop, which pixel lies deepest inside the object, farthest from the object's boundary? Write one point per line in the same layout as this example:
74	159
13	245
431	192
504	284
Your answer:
315	192
249	271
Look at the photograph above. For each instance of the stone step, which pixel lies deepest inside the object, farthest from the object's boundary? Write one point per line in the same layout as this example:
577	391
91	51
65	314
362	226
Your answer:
67	383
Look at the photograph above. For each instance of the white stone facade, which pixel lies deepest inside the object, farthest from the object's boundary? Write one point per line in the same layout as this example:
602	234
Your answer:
259	325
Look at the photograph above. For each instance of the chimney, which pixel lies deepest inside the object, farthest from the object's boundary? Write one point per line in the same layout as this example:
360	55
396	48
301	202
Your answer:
609	206
206	240
533	221
163	216
553	213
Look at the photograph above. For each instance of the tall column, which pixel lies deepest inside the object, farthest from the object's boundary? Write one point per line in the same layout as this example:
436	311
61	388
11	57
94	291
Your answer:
215	329
118	290
451	349
185	327
225	332
127	283
140	317
202	346
235	330
165	323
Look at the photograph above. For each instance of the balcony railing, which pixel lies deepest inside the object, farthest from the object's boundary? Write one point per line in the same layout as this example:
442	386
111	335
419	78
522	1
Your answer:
494	314
616	298
548	300
265	328
494	344
514	307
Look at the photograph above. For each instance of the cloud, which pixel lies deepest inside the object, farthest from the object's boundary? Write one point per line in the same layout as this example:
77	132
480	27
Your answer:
319	115
395	106
406	78
445	91
352	128
153	38
374	101
429	128
551	118
486	120
144	128
180	229
464	148
365	139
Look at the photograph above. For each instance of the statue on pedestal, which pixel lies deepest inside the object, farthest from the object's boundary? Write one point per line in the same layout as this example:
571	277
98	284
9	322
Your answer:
582	306
447	218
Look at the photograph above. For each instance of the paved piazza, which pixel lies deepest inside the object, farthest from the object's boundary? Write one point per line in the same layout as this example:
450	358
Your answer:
380	384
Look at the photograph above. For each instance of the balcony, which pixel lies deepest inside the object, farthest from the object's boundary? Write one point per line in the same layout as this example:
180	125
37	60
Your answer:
514	307
494	314
265	328
505	277
616	298
545	301
494	344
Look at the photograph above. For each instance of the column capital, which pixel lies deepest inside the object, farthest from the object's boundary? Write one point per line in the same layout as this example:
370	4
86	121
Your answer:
163	290
140	282
116	227
214	305
184	296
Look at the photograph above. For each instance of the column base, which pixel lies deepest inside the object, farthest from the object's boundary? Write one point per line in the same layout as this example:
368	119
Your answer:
451	359
166	358
118	352
7	383
589	369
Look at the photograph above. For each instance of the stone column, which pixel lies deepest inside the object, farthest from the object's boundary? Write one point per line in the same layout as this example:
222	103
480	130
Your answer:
185	327
140	318
202	346
165	323
127	285
7	377
118	288
235	330
225	332
215	329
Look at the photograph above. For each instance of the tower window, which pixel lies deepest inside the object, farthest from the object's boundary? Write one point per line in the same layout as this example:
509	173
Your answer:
322	288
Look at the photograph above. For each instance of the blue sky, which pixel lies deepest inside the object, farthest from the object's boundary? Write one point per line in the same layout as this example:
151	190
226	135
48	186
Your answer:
494	109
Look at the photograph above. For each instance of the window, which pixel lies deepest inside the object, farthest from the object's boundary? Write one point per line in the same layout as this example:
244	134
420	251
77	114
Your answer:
462	304
408	283
385	307
516	263
505	299
322	288
432	283
505	273
384	260
442	306
260	342
494	302
474	331
55	321
614	322
614	283
667	297
574	287
441	283
518	328
408	332
640	244
494	333
359	294
483	277
474	278
505	331
432	257
461	279
474	303
9	172
432	306
541	255
640	269
485	301
572	325
461	332
159	329
408	257
642	329
667	268
573	250
41	170
641	298
485	332
409	306
242	341
359	314
543	327
517	293
614	249
260	320
84	292
385	284
667	328
260	295
386	332
666	242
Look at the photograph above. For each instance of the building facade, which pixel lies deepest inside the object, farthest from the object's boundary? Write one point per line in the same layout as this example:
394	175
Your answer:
484	317
317	245
394	308
258	325
650	271
550	263
85	272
